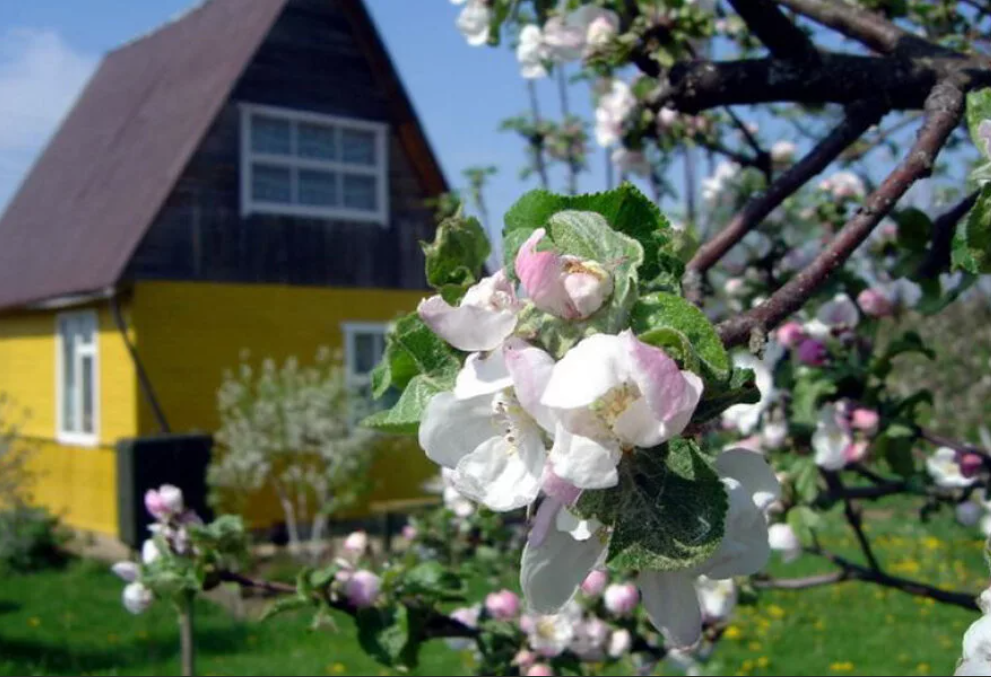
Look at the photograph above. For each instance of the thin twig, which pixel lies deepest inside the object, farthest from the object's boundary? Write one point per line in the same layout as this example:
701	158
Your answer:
537	140
781	37
853	518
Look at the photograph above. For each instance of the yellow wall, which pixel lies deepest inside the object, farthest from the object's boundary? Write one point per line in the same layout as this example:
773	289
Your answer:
78	483
189	333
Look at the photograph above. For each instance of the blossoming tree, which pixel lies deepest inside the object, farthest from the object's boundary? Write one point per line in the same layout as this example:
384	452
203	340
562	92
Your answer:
668	405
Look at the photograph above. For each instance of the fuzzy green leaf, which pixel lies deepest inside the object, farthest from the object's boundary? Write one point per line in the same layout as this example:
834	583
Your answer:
404	418
978	110
671	509
741	389
972	241
456	257
668	311
385	635
287	604
411	348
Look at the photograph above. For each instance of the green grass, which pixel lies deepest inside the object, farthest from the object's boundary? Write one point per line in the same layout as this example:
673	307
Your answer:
71	622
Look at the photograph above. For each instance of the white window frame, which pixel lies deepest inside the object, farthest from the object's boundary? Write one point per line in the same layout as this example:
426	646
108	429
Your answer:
77	437
351	331
249	157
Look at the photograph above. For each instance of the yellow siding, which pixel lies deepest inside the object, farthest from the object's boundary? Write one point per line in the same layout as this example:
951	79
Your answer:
189	333
78	483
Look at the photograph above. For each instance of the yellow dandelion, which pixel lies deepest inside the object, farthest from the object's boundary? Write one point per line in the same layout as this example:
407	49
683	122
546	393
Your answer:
755	646
845	666
34	622
922	668
733	633
763	662
774	611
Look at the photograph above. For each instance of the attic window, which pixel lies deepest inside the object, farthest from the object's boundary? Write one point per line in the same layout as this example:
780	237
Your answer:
304	164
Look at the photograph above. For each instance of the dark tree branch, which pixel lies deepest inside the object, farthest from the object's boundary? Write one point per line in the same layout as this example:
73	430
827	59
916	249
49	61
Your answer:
867	28
762	159
853	517
859	119
960	447
944	109
782	38
944	227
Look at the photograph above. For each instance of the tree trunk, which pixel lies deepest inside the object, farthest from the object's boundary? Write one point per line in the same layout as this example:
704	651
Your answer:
187	639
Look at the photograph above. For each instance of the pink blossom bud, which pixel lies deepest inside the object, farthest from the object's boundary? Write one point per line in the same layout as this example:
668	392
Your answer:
503	605
126	571
866	420
566	286
621	600
855	452
601	30
527	624
524	659
812	353
362	589
165	503
356	543
735	286
540	670
409	532
874	303
595	583
791	334
970	465
620	643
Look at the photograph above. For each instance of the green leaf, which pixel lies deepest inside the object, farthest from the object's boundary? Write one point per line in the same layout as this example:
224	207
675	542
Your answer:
671	509
972	241
908	343
625	209
432	579
978	110
286	605
804	521
807	394
385	635
741	389
914	229
895	446
667	311
806	475
411	348
404	417
456	257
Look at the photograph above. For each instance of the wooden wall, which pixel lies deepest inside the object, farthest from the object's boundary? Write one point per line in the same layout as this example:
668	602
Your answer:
310	61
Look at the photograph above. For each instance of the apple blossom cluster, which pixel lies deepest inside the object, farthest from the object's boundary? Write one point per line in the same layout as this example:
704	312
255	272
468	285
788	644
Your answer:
170	535
575	389
976	658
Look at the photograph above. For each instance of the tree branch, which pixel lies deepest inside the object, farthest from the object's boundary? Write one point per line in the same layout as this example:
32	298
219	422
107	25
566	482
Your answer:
853	517
803	583
859	119
782	38
938	440
867	28
944	109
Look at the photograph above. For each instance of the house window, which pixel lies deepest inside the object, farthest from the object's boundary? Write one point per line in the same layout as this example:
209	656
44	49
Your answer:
77	374
364	345
304	164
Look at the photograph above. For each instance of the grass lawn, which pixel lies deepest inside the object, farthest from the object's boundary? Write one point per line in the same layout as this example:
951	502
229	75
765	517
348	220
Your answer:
71	622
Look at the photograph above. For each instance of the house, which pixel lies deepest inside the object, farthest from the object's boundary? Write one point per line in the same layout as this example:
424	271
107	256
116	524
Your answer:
251	176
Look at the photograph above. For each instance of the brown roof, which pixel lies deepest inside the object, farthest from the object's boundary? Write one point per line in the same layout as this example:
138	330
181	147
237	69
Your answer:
87	202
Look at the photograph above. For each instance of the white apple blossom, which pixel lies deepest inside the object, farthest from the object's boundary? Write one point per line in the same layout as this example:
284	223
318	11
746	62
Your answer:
774	434
976	658
474	22
844	185
532	53
129	572
746	417
563	285
612	394
783	152
620	643
150	552
714	186
591	636
483	319
614	108
840	313
489	429
603	26
564	38
137	598
717	598
830	440
550	635
944	468
783	539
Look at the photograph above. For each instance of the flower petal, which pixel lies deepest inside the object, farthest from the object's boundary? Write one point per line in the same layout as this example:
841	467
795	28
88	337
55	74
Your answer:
587	372
753	472
467	327
452	428
483	374
530	369
744	549
583	461
502	475
657	376
672	605
551	573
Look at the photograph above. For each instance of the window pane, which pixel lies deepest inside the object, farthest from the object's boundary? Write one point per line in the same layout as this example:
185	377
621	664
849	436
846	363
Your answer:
68	375
358	147
317	188
360	192
317	141
85	328
87	385
367	353
271	184
270	135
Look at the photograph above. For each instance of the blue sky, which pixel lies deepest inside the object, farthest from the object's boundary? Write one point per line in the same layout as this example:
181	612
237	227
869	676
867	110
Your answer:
48	48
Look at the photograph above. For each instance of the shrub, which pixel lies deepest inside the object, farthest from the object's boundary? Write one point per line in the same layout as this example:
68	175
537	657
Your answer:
31	539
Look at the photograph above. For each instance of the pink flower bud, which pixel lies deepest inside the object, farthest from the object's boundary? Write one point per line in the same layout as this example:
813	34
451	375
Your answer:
165	503
970	465
566	286
855	452
540	670
362	589
791	334
595	583
524	659
356	543
126	571
866	420
503	605
874	303
621	600
812	353
409	532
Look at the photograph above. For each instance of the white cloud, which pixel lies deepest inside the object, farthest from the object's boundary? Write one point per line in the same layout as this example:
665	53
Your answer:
40	77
